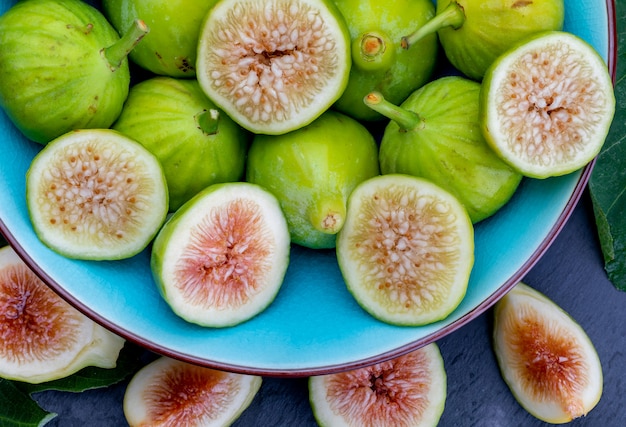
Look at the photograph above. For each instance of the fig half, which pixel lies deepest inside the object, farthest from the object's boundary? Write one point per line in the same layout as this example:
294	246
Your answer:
408	391
168	392
546	358
43	338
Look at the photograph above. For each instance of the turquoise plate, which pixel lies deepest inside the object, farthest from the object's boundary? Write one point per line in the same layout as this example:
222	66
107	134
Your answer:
314	326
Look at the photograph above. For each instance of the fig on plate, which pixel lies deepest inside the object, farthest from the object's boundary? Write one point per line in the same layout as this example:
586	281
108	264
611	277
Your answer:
43	337
546	358
406	249
436	134
274	66
62	67
169	392
379	63
547	104
221	258
473	33
196	143
312	171
170	48
407	391
96	194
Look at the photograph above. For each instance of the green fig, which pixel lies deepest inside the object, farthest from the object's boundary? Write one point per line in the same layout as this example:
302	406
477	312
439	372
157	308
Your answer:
62	67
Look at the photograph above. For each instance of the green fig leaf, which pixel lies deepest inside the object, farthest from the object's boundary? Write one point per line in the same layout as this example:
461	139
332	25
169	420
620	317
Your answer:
607	184
17	409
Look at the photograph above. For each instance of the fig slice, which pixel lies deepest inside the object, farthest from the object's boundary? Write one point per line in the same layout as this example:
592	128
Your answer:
274	66
42	337
545	356
169	392
96	194
221	257
406	249
547	104
407	391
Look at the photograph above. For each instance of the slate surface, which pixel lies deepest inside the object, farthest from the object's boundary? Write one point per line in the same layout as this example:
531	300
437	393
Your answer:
571	273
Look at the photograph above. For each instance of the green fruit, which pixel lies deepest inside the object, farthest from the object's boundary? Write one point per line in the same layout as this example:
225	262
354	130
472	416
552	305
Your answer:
312	171
545	357
547	104
436	134
96	194
62	67
43	337
221	258
378	61
473	33
170	48
274	66
196	143
406	249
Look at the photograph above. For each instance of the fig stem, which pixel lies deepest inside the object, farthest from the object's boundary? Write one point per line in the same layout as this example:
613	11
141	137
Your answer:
328	215
116	53
452	16
373	51
208	120
406	119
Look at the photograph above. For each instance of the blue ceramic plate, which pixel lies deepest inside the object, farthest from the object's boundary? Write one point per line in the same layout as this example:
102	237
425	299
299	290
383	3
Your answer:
314	326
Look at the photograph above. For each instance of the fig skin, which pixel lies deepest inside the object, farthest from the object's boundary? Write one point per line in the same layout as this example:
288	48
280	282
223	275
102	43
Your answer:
197	144
57	72
396	72
442	140
312	171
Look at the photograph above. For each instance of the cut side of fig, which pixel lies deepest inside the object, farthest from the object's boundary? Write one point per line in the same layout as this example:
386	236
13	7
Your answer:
221	258
274	66
168	392
406	249
546	358
408	391
547	104
96	194
42	337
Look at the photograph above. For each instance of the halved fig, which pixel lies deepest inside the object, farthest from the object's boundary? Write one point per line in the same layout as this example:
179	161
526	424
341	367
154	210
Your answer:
168	392
274	66
545	356
406	249
96	194
42	337
547	104
408	391
221	257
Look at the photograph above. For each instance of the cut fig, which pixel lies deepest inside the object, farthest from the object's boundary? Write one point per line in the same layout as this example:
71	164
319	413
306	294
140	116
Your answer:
547	104
96	194
221	258
168	392
312	171
408	391
406	249
546	358
274	66
43	338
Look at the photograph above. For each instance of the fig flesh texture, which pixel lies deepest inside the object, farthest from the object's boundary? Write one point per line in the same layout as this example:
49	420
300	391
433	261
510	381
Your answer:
436	134
169	392
197	144
274	66
62	67
43	337
545	356
96	194
547	104
168	50
406	249
407	391
312	171
473	33
221	258
379	63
